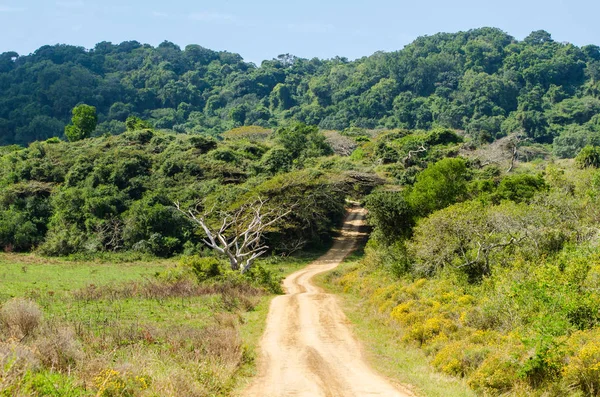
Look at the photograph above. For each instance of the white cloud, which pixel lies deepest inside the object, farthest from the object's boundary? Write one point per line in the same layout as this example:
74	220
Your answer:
11	9
158	14
212	17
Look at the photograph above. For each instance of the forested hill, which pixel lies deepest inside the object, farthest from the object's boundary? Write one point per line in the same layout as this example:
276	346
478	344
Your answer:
482	81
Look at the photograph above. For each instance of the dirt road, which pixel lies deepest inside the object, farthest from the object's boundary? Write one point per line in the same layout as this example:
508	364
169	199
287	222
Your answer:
308	348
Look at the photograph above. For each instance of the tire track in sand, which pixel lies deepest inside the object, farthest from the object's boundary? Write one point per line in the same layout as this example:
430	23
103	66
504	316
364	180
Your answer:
308	349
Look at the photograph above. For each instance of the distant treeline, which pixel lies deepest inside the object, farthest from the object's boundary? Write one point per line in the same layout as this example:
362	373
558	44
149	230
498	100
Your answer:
482	81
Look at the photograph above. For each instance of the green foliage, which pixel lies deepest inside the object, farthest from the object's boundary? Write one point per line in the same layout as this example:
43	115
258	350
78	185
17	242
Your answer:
520	187
265	278
204	268
214	270
17	232
443	136
481	81
51	384
134	123
588	157
572	140
152	225
278	159
317	203
84	122
117	193
391	214
303	142
440	185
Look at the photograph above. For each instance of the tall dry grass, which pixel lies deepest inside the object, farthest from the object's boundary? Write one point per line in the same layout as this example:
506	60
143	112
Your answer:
20	317
141	358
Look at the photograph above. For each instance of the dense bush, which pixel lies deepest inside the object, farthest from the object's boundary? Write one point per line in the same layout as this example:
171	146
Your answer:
390	213
482	81
116	193
588	157
519	188
440	185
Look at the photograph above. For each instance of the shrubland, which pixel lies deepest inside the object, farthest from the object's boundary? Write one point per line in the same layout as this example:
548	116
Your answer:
117	193
492	274
476	155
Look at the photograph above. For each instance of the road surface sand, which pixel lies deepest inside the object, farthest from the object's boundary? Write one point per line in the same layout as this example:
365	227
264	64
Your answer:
307	348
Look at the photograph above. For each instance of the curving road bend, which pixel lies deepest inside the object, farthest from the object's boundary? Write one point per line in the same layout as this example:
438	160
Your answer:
308	348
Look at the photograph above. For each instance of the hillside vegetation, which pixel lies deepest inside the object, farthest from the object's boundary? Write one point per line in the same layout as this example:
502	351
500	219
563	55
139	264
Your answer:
117	193
482	81
476	155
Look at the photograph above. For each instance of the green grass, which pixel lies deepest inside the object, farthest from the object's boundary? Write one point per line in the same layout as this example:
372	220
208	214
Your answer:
110	326
385	351
22	275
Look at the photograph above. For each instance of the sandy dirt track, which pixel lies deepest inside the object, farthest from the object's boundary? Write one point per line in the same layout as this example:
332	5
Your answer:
307	348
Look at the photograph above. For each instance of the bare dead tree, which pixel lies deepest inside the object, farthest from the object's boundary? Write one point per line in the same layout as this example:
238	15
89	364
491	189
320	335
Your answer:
291	246
110	233
406	160
239	236
513	147
342	145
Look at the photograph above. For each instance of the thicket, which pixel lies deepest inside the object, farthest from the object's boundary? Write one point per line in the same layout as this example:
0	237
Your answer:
117	193
493	274
482	81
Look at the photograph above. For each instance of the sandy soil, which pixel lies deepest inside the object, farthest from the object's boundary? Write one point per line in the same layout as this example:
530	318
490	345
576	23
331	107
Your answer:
308	348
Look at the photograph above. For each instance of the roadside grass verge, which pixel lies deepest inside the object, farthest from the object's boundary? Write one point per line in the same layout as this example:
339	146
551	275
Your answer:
383	346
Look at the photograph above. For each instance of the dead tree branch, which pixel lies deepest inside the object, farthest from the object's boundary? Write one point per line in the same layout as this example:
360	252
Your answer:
239	236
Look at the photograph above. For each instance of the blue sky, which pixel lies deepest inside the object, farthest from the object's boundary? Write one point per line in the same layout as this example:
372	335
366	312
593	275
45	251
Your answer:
263	29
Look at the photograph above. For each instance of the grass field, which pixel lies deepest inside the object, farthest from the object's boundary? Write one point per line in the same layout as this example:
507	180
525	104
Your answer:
113	328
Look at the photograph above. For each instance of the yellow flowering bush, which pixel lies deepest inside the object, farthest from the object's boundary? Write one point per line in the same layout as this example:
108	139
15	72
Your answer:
110	382
460	358
583	369
497	374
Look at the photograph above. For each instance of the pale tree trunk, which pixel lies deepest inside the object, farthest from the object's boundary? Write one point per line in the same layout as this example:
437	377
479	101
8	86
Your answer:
239	237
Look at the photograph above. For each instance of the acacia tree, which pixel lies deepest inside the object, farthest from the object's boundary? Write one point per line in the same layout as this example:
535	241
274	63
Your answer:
239	235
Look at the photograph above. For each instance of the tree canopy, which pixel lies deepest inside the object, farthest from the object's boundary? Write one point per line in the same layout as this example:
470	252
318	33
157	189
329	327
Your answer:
483	81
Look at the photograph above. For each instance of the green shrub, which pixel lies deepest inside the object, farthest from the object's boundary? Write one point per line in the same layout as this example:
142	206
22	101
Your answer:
140	136
390	212
51	384
134	123
440	185
266	279
588	157
544	364
204	268
518	188
443	136
202	143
